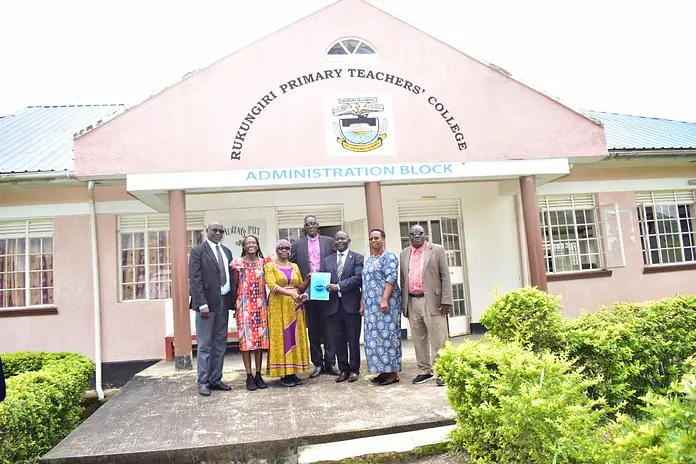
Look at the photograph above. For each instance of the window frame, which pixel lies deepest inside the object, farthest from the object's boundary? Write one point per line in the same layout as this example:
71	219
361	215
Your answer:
351	56
572	204
23	231
671	199
147	282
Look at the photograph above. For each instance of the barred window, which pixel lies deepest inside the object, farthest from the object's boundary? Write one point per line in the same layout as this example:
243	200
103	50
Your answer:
146	267
570	233
26	263
667	226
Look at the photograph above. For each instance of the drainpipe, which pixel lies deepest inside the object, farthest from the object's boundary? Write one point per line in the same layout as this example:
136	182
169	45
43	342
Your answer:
97	298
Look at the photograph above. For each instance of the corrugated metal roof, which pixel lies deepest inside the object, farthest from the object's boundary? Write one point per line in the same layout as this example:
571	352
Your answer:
40	138
627	132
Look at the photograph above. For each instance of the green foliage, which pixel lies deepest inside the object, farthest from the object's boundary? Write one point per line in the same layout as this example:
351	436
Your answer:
634	348
528	316
667	435
514	405
44	402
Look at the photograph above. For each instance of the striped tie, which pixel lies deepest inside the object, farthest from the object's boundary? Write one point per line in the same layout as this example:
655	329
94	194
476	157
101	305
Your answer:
340	265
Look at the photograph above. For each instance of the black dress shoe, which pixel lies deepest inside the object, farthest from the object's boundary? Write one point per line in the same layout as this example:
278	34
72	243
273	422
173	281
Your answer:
259	381
389	381
315	372
331	370
342	377
220	386
251	383
296	378
354	376
204	391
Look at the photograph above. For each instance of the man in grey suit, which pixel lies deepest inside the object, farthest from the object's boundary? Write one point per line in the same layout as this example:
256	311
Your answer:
212	296
308	253
427	299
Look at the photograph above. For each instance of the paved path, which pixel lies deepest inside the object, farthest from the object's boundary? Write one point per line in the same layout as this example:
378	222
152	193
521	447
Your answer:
159	417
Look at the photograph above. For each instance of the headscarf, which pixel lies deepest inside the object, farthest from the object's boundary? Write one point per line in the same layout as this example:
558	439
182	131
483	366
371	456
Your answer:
282	241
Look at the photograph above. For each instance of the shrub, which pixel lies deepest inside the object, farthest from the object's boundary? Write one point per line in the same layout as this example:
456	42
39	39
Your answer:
514	405
635	348
668	435
528	316
42	406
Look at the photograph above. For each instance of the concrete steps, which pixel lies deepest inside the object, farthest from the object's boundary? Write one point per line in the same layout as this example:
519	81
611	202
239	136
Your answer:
393	443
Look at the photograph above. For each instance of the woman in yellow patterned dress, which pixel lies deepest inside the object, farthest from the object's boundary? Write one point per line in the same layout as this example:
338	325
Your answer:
287	328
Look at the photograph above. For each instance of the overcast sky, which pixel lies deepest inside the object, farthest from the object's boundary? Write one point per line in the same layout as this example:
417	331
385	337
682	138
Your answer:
611	55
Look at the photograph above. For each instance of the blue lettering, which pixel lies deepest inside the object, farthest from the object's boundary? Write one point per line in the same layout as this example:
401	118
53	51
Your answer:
389	170
316	172
251	176
448	168
327	172
337	172
425	169
299	173
375	171
435	168
280	175
404	170
264	175
349	172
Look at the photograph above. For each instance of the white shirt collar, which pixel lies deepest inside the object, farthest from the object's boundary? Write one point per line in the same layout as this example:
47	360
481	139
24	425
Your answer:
345	252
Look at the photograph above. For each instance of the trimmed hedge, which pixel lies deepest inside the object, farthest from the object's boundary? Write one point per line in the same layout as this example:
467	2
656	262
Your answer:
632	347
668	433
513	405
45	393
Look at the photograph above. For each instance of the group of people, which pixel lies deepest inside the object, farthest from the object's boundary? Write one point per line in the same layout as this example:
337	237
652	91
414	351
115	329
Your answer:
271	297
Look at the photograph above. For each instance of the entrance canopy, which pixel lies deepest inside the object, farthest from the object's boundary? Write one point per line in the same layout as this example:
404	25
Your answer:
348	94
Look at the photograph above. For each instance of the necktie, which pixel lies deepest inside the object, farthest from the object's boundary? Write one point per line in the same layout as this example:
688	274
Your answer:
221	265
340	265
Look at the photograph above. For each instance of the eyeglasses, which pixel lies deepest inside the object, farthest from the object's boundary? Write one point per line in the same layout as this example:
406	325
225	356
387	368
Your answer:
218	231
283	248
374	239
416	234
310	224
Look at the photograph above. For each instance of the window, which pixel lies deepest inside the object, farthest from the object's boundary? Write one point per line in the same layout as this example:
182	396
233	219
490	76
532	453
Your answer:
26	263
667	226
145	258
570	235
351	47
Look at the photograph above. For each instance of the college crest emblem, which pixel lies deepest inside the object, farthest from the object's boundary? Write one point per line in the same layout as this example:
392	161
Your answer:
357	123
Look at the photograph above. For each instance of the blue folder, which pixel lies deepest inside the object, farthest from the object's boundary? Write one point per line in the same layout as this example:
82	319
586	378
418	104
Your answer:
318	284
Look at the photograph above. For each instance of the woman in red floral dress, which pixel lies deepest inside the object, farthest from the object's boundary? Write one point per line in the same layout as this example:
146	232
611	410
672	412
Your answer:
252	316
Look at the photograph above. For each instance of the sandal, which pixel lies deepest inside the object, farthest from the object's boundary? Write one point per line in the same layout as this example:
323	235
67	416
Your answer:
389	381
378	378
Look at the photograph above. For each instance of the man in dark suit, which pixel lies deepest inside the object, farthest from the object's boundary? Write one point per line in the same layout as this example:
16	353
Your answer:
212	296
343	308
307	253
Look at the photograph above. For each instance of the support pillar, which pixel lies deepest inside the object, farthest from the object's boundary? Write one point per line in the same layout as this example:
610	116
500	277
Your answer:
180	293
373	204
532	228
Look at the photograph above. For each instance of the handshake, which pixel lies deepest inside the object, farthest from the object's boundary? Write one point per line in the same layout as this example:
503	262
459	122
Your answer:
300	298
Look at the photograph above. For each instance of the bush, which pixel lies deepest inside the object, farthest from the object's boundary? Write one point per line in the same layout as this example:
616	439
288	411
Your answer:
44	402
668	435
528	316
514	405
635	348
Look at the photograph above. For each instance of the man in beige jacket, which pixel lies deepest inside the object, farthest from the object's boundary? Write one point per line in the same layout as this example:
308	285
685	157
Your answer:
427	299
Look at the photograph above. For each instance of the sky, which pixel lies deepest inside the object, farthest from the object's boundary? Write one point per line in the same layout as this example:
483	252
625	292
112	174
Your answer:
619	56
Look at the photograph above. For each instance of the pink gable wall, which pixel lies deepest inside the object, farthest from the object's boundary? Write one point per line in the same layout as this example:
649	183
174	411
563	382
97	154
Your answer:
192	125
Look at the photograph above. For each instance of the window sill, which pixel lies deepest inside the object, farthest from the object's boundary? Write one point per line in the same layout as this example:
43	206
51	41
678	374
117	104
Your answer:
578	275
656	269
22	311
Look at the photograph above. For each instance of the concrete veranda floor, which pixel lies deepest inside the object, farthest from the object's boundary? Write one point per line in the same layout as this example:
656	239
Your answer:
158	417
